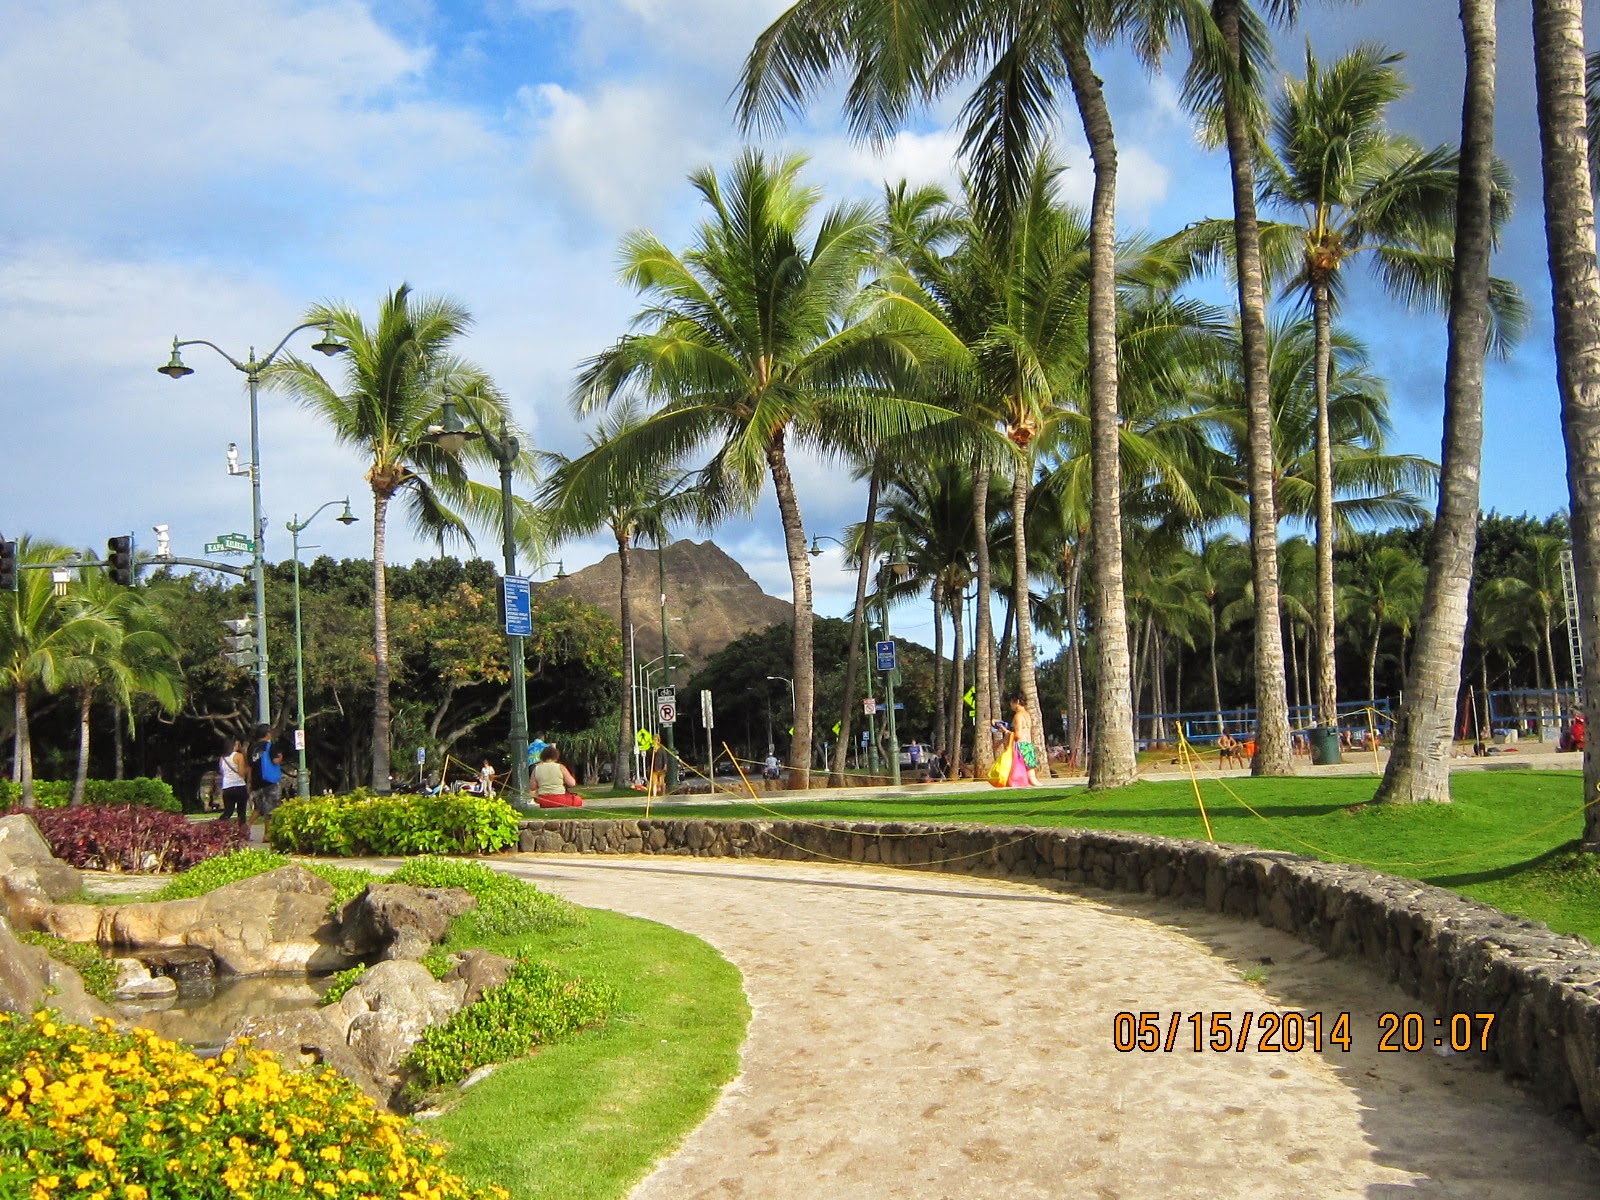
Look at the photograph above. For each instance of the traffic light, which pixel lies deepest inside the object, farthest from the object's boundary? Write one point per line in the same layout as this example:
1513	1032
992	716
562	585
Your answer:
8	566
239	644
119	560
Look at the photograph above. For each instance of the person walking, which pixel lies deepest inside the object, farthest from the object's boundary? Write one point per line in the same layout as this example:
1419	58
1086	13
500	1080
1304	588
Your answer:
486	778
1022	730
235	782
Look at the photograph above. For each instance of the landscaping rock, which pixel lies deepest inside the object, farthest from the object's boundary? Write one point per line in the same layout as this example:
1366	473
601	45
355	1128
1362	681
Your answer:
275	922
385	1013
22	845
396	921
309	1038
30	978
23	898
135	982
480	970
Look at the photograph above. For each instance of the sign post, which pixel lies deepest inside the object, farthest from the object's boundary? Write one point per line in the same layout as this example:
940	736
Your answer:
706	719
886	656
667	705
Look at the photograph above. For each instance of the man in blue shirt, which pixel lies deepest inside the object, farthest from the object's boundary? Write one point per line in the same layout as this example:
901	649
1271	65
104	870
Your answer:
266	772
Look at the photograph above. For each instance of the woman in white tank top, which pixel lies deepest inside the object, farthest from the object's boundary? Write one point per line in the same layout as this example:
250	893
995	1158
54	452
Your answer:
235	784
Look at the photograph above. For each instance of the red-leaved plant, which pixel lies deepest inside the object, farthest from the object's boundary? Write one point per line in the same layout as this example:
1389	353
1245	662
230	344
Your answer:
133	838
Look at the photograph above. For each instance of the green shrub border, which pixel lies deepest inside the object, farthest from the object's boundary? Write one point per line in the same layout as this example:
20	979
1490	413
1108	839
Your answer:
55	793
364	823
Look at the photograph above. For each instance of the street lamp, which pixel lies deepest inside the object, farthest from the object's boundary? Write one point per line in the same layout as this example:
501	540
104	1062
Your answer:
252	367
899	567
451	436
295	525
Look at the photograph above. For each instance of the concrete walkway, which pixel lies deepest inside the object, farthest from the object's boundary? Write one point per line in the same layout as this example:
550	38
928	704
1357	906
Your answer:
927	1036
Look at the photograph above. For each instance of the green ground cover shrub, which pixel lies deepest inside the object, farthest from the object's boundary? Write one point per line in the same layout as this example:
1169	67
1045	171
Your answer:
247	863
54	793
506	905
99	972
364	823
341	982
537	1004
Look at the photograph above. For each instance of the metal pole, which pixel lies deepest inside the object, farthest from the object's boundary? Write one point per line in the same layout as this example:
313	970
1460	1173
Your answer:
894	737
872	720
258	556
303	779
666	650
506	449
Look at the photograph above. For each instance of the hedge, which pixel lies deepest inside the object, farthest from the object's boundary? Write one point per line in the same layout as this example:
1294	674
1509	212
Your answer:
364	823
54	793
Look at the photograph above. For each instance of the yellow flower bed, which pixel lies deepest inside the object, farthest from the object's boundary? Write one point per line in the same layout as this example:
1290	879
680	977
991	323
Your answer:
105	1115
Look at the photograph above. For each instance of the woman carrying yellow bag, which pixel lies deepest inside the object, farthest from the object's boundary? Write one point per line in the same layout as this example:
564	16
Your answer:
1000	773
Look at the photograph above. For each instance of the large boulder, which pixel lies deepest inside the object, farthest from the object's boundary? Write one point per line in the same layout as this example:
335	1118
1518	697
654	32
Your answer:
31	979
275	922
22	845
479	970
394	920
309	1038
367	1032
23	898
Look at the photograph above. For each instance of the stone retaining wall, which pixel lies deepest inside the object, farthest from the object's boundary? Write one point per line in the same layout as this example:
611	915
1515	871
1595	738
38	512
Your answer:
1454	955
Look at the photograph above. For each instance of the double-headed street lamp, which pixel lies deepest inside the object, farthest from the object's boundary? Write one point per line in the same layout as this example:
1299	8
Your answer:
252	367
295	526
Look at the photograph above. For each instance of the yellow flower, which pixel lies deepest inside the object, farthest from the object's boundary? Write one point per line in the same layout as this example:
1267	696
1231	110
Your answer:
330	1153
135	1192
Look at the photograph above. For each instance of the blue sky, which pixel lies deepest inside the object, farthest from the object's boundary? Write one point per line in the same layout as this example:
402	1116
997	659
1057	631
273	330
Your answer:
211	176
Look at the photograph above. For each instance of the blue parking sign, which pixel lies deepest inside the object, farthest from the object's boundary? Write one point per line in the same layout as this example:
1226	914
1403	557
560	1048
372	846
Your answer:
886	657
517	592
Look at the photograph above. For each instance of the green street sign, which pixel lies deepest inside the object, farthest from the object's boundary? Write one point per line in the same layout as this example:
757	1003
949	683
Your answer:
231	543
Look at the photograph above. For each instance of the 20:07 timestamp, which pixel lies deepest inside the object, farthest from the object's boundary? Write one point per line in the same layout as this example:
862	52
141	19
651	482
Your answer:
1273	1032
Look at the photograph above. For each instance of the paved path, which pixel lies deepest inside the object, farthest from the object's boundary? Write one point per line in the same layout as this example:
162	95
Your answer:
927	1036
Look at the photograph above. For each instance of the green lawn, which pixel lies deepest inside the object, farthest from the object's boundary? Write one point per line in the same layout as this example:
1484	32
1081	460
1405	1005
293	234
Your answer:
587	1117
1506	840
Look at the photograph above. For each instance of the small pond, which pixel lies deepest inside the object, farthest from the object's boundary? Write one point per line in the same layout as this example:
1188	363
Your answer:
205	1013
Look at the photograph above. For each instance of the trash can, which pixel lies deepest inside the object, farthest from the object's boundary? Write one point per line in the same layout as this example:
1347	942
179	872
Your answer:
1324	747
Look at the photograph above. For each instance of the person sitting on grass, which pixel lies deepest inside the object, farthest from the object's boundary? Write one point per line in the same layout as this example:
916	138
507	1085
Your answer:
553	783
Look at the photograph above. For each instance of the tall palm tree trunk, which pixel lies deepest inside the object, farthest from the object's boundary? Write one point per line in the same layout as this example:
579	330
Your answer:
620	774
1372	659
1575	285
940	700
983	633
1114	762
381	718
794	541
1075	747
1327	689
1027	679
1274	753
958	680
1419	758
24	746
852	666
85	706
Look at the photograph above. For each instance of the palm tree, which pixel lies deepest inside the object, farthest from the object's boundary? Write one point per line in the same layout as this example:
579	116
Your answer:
1385	588
1023	54
1357	188
129	657
754	342
1368	484
397	376
578	502
39	634
1565	139
1419	759
1222	576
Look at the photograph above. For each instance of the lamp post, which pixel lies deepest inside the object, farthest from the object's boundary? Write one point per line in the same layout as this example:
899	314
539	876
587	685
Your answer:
450	435
252	367
295	526
899	568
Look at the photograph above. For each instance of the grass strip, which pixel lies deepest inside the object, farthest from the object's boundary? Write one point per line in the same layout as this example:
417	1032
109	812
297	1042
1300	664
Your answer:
1508	839
586	1118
